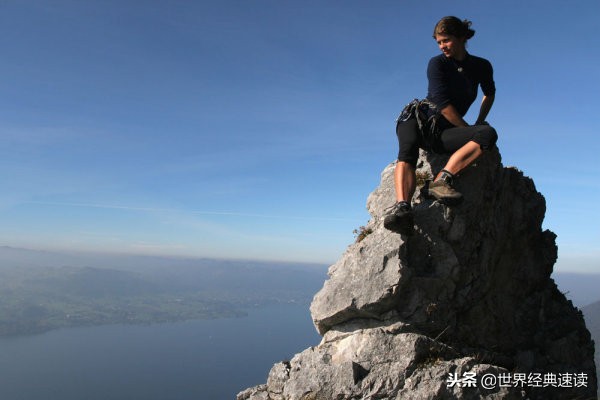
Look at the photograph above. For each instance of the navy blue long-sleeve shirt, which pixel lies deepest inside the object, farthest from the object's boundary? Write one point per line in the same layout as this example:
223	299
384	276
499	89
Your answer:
455	82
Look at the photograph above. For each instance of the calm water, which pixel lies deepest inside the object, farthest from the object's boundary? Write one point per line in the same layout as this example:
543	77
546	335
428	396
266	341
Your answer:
199	360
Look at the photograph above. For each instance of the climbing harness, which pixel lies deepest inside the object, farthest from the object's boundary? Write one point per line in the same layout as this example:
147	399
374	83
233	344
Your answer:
427	116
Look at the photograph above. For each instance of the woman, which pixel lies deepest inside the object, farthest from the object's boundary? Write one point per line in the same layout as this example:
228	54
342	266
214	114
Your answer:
454	77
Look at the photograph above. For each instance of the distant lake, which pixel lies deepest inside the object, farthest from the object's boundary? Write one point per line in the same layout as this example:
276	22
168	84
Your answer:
195	360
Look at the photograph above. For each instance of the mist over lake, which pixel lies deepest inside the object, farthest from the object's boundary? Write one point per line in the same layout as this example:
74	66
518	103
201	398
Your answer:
42	291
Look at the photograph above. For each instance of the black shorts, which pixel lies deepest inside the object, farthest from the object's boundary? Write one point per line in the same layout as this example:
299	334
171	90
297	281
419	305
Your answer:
450	140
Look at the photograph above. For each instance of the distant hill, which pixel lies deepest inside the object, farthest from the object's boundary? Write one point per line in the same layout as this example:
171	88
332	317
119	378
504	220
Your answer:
16	257
40	291
176	272
592	317
580	288
592	321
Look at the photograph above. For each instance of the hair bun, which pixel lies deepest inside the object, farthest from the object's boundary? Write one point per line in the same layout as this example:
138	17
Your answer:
469	33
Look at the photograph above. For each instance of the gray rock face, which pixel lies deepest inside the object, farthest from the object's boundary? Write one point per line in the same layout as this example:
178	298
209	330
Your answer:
428	316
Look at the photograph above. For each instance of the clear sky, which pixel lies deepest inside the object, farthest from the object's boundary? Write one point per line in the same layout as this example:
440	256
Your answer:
257	129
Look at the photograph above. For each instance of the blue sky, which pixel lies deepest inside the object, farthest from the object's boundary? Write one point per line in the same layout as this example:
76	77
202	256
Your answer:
257	129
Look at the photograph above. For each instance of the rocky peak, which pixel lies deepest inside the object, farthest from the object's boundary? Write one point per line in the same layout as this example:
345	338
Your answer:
428	316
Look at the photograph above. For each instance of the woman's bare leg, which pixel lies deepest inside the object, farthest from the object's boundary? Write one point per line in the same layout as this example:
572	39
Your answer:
442	188
462	158
405	181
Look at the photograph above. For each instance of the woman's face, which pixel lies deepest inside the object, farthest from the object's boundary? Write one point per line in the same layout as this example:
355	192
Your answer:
451	46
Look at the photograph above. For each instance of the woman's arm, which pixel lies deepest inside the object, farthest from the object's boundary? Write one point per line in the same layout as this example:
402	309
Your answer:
486	105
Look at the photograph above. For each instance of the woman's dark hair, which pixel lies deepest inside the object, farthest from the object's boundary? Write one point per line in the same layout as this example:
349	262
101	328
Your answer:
455	27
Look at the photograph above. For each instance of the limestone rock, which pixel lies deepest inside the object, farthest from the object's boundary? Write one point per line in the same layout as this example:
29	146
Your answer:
469	293
255	393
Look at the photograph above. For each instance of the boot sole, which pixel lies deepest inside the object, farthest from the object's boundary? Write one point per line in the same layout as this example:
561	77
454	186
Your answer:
404	226
449	201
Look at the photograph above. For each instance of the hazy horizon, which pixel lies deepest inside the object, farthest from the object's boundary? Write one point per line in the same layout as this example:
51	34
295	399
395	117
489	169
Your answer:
580	287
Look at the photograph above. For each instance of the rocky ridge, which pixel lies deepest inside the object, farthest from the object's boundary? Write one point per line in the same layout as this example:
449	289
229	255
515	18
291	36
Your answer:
463	309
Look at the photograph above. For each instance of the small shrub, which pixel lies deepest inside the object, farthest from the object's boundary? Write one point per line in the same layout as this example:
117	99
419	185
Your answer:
362	233
422	177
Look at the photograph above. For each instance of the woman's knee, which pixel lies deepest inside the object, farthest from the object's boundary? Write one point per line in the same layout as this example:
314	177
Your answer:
487	137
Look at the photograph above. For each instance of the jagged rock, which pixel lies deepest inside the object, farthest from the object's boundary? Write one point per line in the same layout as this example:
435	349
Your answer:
373	364
469	292
255	393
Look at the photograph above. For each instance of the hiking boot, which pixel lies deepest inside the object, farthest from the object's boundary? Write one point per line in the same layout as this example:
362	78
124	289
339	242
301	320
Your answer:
444	192
400	219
